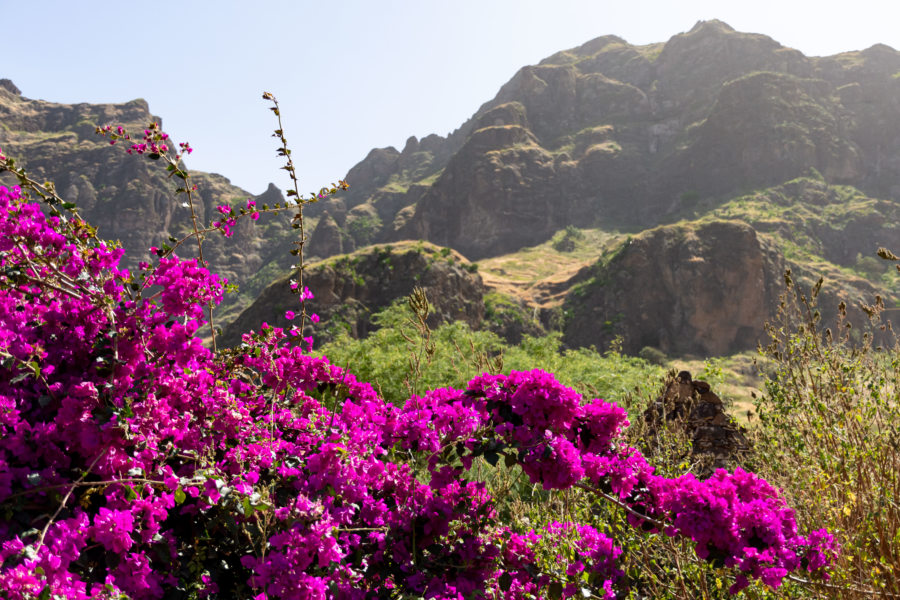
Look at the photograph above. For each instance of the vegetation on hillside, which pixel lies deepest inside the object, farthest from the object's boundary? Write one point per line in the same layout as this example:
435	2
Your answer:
142	465
139	460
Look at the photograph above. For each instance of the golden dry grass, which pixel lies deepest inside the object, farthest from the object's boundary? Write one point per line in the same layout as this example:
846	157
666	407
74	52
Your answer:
538	275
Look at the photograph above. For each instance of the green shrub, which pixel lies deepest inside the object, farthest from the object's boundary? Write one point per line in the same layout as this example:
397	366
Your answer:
653	355
567	239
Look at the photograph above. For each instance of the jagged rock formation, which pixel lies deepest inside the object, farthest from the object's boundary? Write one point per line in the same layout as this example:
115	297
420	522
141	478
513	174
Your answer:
693	409
125	197
705	288
350	288
615	134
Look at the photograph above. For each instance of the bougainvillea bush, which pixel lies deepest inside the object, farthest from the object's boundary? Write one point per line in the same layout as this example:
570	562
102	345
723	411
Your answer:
138	463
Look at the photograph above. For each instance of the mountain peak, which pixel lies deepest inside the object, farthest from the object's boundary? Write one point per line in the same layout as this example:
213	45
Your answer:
10	87
711	26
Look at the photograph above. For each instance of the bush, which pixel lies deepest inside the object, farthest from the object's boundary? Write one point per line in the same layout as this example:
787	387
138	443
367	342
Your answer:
138	463
567	240
828	422
653	355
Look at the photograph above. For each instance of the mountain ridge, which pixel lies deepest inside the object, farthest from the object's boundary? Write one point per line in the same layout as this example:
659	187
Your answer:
652	119
795	158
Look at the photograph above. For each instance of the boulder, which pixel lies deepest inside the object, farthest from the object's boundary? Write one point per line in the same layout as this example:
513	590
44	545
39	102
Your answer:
691	408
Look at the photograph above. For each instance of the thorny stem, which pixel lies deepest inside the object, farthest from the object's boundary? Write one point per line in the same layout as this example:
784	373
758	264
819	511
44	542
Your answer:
48	195
293	195
176	167
295	192
622	505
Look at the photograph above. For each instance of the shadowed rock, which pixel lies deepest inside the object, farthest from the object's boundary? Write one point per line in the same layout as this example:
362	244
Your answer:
691	407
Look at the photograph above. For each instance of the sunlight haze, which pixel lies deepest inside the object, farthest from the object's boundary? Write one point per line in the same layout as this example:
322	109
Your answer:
351	76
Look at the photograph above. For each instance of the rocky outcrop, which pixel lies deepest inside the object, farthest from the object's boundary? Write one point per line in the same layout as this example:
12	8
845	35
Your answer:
612	134
10	87
701	289
690	408
349	289
326	239
505	165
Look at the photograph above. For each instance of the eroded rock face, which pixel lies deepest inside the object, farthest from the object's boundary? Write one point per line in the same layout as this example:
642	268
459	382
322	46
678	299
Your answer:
507	174
128	198
766	128
350	288
701	289
10	87
327	239
612	134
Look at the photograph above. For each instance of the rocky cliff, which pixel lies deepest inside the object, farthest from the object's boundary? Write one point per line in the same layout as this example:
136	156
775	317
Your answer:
127	198
694	288
702	288
612	134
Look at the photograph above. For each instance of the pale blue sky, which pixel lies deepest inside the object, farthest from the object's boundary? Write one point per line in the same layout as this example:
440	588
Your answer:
351	75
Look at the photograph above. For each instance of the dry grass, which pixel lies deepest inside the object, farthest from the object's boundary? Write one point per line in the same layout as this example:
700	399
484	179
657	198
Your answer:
538	275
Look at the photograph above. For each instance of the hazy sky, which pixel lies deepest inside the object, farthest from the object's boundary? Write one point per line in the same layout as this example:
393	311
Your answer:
352	75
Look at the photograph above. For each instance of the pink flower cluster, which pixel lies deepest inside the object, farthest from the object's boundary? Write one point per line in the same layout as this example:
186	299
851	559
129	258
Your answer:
135	461
229	217
735	519
154	142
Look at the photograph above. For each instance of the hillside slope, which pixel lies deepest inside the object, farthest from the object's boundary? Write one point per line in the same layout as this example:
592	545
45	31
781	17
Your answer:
615	135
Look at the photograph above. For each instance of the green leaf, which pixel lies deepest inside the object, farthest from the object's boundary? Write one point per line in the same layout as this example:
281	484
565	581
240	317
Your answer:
492	458
180	496
130	494
247	507
510	460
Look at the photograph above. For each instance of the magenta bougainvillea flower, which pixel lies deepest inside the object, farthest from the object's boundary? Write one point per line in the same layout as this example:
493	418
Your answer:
136	461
